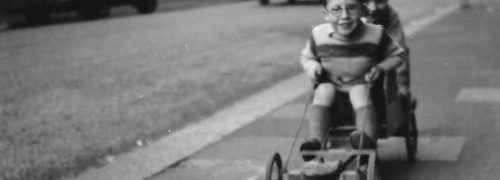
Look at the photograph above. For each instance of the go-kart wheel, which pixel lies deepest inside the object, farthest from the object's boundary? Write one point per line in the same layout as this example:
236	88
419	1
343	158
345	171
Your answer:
274	169
264	2
411	139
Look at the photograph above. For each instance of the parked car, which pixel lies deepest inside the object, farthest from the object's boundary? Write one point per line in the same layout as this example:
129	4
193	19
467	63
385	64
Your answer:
38	11
266	2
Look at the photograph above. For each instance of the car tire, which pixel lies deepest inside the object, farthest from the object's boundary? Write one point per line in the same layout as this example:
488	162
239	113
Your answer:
146	6
94	9
264	2
37	16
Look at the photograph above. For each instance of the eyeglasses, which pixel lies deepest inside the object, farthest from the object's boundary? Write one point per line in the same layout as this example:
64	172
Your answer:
351	10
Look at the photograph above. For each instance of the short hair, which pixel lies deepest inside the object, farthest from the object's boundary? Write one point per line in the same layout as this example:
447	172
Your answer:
326	1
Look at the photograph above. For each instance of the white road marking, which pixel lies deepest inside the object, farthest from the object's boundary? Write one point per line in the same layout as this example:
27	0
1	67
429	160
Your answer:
440	148
435	148
491	95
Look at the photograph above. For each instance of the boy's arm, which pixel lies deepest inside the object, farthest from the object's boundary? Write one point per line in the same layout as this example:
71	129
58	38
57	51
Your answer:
395	30
309	60
391	53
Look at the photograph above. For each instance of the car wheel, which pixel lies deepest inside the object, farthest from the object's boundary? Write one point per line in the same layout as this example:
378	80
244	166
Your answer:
146	6
264	2
94	9
37	16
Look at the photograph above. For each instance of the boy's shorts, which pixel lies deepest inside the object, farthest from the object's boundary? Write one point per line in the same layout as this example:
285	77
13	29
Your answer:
358	90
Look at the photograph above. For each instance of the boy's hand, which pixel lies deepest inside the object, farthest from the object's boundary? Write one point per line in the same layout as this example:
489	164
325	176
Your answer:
373	74
315	71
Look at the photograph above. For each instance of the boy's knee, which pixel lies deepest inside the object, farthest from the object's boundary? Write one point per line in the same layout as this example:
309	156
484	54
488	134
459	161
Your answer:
360	96
324	94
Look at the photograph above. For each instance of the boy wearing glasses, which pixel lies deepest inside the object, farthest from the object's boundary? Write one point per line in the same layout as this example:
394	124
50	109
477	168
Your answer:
345	54
398	82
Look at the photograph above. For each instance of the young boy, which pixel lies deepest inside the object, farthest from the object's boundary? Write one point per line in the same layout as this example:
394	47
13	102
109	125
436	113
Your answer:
381	13
346	54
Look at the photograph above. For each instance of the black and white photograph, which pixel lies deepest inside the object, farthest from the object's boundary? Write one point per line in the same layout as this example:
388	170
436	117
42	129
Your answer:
249	90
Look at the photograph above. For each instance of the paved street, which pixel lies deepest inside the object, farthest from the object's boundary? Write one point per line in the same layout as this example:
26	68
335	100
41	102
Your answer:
455	78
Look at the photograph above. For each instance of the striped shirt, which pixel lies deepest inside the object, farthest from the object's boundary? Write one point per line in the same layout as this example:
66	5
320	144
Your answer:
348	61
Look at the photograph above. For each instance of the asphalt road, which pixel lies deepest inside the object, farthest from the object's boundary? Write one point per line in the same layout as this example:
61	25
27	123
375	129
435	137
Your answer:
455	78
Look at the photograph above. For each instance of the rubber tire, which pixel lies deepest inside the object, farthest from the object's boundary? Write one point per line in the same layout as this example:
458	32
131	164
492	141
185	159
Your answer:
146	6
37	16
411	139
264	2
94	10
292	1
274	162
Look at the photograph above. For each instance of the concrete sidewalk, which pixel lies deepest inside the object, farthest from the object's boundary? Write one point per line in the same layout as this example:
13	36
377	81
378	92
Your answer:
151	159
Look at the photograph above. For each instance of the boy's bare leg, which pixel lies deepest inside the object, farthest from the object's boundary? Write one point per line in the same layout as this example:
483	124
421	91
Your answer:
366	118
319	117
366	123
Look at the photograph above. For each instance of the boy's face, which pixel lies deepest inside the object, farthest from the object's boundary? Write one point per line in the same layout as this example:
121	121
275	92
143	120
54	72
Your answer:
344	15
376	7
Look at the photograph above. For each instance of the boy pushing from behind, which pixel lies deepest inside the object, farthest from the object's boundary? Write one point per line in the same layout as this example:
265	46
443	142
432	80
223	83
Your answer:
346	54
382	13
